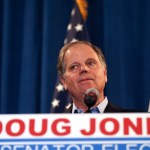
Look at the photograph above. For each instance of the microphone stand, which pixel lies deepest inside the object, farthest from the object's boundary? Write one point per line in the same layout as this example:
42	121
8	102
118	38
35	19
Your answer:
89	101
90	98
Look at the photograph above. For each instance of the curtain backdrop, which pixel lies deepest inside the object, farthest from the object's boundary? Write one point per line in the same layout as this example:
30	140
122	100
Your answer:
33	31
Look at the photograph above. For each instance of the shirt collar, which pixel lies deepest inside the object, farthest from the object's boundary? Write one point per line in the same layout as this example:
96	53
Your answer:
101	107
75	108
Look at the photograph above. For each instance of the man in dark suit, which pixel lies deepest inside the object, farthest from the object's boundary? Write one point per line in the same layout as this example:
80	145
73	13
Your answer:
82	66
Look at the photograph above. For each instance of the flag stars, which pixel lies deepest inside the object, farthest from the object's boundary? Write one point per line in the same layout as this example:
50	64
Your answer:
74	40
79	27
69	27
73	12
69	104
59	87
65	41
55	103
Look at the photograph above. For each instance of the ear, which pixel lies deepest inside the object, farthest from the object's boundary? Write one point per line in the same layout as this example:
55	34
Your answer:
63	82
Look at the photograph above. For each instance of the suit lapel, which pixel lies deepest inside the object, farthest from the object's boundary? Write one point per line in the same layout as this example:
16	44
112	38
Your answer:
112	108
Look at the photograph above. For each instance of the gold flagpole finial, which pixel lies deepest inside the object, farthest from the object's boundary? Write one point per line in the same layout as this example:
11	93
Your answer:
83	5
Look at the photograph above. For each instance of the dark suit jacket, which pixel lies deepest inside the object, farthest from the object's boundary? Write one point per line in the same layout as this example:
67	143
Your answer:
110	108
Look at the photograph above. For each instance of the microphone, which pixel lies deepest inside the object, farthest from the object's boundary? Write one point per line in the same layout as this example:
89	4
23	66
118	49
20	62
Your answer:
91	96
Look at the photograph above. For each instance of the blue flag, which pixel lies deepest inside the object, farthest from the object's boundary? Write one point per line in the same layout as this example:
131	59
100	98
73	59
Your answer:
76	30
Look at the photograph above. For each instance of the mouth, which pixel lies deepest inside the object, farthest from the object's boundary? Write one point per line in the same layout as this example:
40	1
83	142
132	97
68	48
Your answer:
85	80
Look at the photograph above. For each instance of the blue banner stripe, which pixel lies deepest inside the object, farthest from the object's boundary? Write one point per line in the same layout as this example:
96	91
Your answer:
76	139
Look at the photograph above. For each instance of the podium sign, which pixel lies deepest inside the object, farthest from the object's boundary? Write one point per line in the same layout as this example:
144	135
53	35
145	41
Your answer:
111	131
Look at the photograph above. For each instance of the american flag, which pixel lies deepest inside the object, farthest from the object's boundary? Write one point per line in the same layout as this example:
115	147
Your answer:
76	30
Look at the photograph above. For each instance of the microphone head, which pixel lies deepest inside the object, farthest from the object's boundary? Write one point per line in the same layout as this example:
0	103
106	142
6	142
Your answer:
91	96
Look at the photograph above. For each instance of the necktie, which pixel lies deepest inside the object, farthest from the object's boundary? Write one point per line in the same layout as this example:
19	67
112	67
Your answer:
76	111
93	110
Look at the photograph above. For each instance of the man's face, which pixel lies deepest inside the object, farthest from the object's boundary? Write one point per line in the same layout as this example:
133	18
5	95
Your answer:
83	70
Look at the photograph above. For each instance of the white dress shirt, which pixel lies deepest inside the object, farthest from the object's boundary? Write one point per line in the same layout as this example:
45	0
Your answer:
98	109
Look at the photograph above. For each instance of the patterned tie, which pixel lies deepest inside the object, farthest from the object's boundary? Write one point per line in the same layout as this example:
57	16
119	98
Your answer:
76	111
93	110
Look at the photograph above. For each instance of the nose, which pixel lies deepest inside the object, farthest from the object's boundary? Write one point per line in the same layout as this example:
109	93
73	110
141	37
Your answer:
83	69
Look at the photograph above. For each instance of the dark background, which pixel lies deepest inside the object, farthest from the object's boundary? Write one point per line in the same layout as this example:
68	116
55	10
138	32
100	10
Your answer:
33	31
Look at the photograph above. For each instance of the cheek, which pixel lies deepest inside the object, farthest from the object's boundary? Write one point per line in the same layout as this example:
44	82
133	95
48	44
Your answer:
70	79
101	76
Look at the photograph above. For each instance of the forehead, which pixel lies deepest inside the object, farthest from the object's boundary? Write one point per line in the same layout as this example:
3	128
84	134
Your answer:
80	50
79	46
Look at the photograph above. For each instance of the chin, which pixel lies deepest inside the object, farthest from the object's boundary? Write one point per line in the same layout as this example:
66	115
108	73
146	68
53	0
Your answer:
83	89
